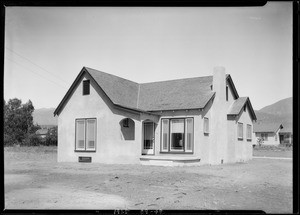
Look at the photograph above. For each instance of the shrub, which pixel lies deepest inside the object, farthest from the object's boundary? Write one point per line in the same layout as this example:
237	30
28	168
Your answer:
51	140
9	140
32	140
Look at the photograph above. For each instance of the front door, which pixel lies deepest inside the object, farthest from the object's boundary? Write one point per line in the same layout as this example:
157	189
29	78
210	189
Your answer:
148	144
281	138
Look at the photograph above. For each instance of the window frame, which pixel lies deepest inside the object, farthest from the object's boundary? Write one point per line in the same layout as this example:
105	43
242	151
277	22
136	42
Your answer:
249	138
185	135
238	133
168	136
206	132
86	83
169	151
85	135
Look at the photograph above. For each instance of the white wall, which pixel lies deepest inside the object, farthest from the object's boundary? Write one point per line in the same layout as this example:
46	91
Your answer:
110	146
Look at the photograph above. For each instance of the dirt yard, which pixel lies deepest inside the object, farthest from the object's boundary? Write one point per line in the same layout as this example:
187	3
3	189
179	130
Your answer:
34	180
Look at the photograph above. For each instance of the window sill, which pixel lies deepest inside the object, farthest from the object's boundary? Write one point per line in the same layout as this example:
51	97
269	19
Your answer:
176	152
84	150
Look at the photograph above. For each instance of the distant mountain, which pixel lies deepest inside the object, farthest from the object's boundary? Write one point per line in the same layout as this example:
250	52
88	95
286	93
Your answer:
279	112
44	116
282	107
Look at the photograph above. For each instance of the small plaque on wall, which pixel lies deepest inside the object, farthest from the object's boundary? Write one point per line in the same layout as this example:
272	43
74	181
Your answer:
85	159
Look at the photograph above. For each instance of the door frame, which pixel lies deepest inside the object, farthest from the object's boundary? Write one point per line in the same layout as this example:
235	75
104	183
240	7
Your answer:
148	151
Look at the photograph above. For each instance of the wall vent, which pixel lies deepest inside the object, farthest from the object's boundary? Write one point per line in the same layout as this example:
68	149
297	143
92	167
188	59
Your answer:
85	159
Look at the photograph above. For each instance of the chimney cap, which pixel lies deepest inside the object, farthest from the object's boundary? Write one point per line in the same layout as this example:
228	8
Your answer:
219	69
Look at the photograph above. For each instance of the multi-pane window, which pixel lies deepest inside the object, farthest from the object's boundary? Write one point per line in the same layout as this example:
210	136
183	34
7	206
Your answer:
85	135
86	87
206	125
177	135
240	130
249	132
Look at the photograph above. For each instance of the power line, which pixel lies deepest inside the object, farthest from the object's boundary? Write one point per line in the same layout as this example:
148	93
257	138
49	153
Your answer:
35	64
35	73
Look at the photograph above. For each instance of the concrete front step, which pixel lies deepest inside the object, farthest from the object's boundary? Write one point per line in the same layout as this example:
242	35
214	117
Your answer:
170	160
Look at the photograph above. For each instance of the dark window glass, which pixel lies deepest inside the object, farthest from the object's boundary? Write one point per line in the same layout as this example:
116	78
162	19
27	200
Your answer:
226	93
86	87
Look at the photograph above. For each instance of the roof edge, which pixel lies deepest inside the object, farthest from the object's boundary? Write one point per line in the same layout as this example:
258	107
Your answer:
62	102
229	79
247	101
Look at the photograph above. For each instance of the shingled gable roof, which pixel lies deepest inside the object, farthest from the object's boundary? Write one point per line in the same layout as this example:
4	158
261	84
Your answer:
121	91
266	127
238	105
189	93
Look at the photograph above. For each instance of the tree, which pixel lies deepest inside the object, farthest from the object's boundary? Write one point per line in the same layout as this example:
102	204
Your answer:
18	121
51	139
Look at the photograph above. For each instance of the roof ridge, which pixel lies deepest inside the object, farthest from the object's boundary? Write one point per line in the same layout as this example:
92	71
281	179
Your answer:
179	79
111	74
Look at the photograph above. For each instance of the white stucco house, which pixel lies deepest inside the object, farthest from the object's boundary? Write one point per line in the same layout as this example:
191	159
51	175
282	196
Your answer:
268	132
107	119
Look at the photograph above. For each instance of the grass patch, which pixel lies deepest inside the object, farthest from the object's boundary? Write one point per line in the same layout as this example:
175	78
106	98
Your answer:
31	149
272	148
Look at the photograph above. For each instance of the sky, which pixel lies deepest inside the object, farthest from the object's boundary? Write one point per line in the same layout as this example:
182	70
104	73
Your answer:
46	47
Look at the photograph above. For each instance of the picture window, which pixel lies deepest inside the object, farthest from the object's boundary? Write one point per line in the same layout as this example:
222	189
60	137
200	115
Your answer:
177	135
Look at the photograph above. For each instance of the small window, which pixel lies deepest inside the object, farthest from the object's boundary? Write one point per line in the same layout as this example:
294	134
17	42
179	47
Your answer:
206	125
249	132
226	93
240	131
86	87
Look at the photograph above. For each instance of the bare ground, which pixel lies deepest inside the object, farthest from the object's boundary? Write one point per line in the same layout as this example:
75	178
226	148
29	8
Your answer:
34	180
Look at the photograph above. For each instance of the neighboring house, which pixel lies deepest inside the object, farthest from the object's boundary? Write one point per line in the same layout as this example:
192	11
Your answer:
286	135
268	132
42	133
107	119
